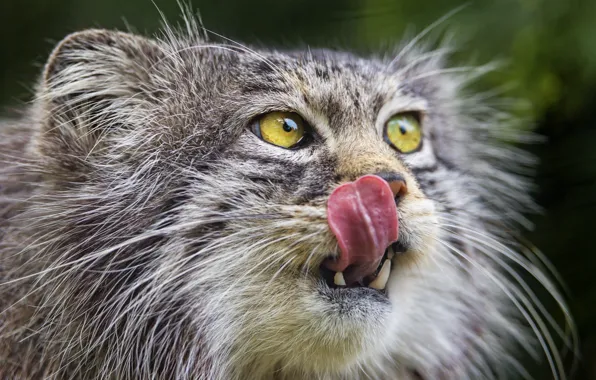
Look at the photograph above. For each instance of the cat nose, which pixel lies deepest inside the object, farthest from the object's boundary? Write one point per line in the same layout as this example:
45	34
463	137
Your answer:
396	182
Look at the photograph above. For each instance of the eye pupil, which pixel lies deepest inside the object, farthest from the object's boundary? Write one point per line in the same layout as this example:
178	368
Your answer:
289	125
402	129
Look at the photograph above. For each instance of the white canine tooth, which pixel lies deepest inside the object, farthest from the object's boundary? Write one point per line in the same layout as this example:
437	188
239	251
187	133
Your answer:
381	281
390	253
338	279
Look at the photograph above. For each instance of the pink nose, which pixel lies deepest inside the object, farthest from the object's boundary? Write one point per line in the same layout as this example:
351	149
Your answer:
363	216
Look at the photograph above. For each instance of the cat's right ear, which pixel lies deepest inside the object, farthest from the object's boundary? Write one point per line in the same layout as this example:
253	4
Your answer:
95	82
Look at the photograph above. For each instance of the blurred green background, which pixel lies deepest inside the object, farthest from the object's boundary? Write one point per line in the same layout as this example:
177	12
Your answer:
549	47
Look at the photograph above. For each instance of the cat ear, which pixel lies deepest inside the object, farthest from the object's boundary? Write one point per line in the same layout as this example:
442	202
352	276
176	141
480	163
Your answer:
95	82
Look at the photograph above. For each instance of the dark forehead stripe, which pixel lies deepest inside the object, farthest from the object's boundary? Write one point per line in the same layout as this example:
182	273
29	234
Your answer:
251	87
263	74
260	78
377	103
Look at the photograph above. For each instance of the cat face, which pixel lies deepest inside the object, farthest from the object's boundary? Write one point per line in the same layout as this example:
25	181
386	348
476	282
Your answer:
274	201
215	231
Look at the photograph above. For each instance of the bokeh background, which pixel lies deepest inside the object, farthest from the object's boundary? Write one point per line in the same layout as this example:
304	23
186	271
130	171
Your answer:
549	51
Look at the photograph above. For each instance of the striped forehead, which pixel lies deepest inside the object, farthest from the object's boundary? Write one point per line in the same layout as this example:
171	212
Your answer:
341	95
348	96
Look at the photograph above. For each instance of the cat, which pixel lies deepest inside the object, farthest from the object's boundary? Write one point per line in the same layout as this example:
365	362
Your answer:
176	208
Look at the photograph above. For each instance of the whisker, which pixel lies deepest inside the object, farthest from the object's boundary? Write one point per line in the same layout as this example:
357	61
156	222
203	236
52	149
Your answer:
538	275
533	319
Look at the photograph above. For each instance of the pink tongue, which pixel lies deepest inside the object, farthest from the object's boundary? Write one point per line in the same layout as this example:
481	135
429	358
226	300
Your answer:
363	217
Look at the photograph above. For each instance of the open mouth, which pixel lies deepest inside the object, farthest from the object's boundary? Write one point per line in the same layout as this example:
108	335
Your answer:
353	277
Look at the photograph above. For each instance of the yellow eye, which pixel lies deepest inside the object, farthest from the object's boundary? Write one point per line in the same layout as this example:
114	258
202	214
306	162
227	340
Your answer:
404	133
284	129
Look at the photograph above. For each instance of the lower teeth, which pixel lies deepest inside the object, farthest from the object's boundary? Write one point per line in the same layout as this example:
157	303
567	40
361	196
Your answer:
381	278
390	253
338	279
380	282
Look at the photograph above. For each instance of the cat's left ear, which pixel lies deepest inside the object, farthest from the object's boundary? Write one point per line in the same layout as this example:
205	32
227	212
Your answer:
95	82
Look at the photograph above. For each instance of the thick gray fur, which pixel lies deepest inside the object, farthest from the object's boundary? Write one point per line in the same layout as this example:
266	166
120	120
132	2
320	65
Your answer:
146	233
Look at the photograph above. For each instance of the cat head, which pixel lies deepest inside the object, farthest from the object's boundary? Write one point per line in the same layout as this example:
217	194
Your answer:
188	189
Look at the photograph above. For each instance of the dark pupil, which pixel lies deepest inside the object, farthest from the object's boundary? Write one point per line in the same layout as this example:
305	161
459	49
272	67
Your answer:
402	129
290	125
